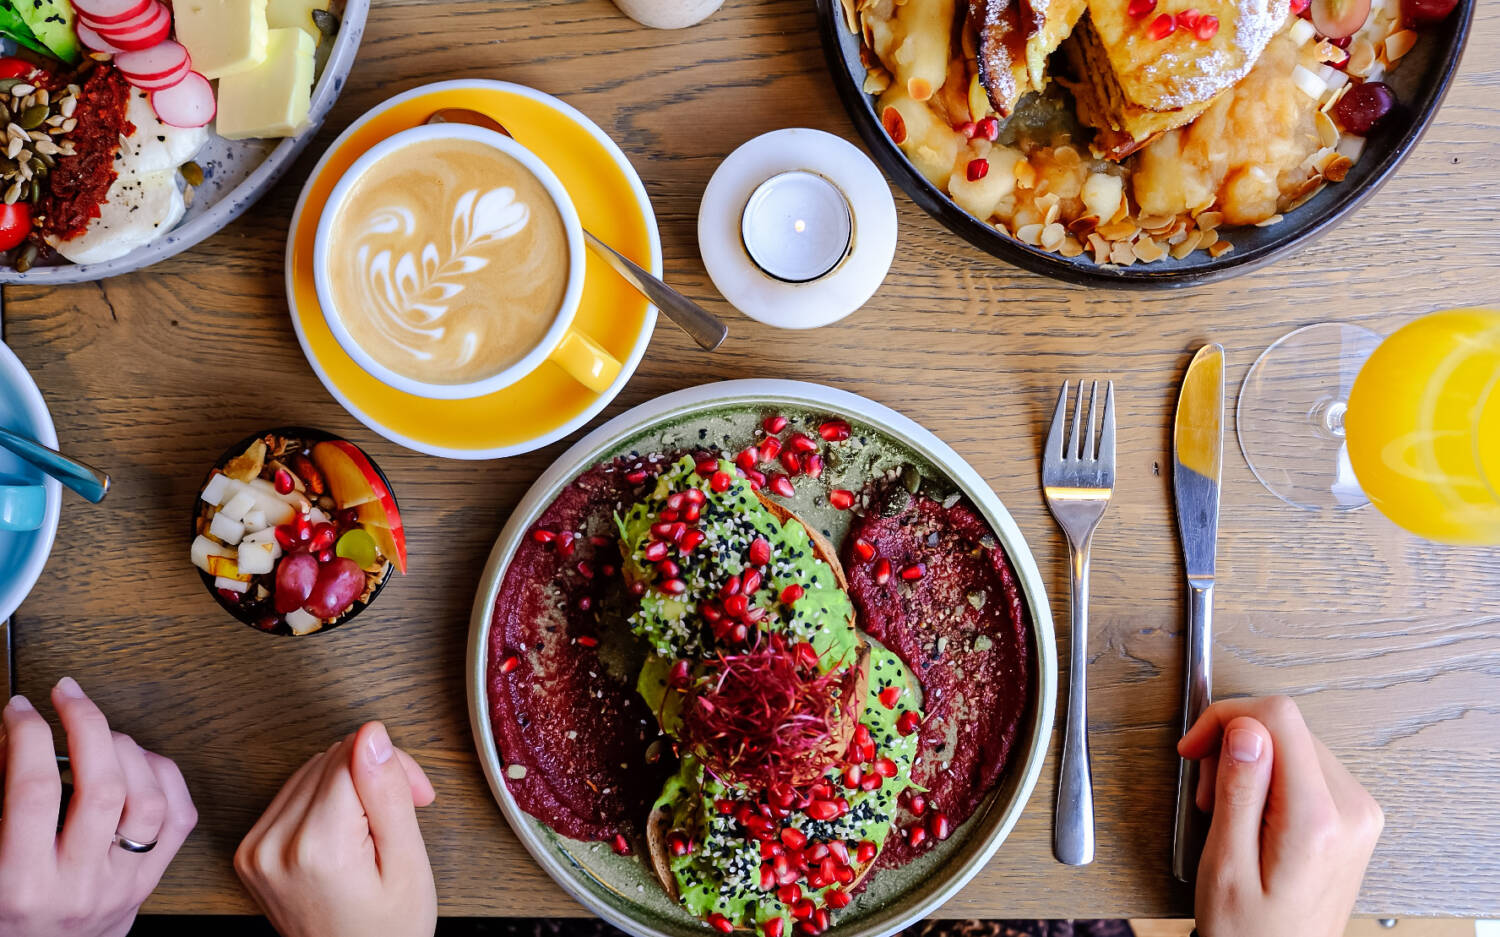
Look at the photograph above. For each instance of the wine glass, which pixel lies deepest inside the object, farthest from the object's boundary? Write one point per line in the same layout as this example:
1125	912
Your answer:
1331	417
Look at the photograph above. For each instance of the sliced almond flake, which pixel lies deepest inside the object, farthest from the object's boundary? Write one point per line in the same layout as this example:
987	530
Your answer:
1220	248
1361	57
1070	247
1328	134
876	81
1326	157
1101	249
1118	230
1185	248
1030	234
1399	43
1053	212
1084	225
1123	211
1122	253
1328	53
1148	251
851	19
1210	219
1268	222
1333	98
1337	168
1053	235
1177	237
1154	221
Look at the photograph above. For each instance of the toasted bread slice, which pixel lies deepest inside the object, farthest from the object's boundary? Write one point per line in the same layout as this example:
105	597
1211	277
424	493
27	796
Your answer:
1001	55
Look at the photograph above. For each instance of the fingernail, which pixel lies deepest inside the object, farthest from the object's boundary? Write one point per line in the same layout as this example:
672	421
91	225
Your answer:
69	687
1244	745
380	749
20	704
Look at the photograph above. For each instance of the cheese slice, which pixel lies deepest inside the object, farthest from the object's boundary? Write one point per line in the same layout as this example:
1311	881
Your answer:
271	99
224	37
281	14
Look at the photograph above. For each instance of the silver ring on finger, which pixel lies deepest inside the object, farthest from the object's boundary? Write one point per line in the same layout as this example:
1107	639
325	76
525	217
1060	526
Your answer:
130	845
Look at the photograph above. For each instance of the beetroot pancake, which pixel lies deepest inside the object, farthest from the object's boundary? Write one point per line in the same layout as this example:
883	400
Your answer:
961	625
571	729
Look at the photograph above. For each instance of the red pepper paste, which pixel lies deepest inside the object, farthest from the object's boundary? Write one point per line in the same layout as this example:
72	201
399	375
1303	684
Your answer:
78	185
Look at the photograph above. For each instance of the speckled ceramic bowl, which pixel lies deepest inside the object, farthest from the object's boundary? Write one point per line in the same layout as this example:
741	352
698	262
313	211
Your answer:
235	172
622	890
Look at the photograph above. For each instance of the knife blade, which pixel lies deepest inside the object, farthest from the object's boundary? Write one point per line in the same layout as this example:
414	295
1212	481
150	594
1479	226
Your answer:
1198	457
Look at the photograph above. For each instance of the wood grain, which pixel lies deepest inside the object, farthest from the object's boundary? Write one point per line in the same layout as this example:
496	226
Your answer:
1391	644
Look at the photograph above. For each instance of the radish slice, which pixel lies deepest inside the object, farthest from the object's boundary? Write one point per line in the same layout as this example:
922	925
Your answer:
159	61
189	103
141	17
144	37
111	11
93	41
162	82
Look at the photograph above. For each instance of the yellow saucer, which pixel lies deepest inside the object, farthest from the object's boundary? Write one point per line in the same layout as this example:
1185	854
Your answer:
547	404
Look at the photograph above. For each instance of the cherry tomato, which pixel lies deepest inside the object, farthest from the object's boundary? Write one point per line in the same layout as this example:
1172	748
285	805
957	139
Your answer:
14	68
15	224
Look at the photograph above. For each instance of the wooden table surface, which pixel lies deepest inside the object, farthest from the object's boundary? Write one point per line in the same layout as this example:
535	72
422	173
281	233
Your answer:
1391	644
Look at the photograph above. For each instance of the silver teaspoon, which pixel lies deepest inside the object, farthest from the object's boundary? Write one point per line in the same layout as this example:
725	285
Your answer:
88	481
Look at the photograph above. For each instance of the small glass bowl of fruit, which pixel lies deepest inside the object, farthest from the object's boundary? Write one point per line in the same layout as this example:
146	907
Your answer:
296	531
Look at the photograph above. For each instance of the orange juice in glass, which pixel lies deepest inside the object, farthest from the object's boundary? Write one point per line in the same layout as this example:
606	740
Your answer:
1423	427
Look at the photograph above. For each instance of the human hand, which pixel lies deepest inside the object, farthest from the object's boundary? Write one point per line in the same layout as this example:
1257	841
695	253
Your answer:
79	882
338	853
1292	830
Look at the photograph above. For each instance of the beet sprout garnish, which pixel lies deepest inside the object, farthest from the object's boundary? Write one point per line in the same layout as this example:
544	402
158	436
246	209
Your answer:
759	716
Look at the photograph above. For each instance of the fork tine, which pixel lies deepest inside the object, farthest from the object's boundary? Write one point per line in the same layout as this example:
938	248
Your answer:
1107	435
1075	441
1089	451
1054	448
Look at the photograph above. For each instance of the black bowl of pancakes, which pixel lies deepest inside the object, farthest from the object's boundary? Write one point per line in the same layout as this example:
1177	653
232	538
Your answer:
1137	144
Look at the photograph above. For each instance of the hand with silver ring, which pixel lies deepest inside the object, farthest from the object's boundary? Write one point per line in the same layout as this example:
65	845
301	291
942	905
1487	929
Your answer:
129	814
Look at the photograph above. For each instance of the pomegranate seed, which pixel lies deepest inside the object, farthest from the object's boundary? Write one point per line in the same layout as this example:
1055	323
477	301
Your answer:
731	587
655	551
914	571
813	465
509	664
1208	27
1163	26
782	485
680	674
287	539
852	776
789	894
747	457
822	810
1188	18
302	526
707	467
720	923
939	826
621	845
636	477
736	605
585	569
916	835
889	695
801	442
967	128
884	767
791	594
864	549
837	898
978	168
607	570
862	736
841	498
1300	6
882	572
668	569
756	479
834	431
773	927
770	448
565	544
989	128
907	722
760	551
840	851
865	852
662	530
677	843
816	880
791	462
725	807
803	909
774	423
751	581
871	782
674	587
543	536
637	588
807	655
918	804
690	540
828	868
820	918
1141	8
720	481
675	500
711	612
817	852
284	483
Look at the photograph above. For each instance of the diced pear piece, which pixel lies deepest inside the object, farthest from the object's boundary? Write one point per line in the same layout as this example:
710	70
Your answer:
278	508
241	504
233	585
264	535
256	559
220	488
255	520
226	528
317	516
203	548
303	622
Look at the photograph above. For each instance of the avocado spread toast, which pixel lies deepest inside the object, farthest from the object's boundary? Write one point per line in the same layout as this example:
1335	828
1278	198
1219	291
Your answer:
785	753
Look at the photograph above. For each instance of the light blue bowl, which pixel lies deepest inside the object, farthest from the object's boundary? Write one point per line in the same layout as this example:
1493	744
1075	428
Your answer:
24	553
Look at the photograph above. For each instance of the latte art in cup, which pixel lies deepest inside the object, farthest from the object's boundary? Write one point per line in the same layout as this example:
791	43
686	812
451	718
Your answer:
448	261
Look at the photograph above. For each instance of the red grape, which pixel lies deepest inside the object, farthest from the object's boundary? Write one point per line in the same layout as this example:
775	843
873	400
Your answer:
339	583
1338	18
1426	12
295	577
1364	106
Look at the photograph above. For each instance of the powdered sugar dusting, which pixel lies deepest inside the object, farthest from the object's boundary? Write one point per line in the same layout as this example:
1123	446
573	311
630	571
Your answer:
1188	71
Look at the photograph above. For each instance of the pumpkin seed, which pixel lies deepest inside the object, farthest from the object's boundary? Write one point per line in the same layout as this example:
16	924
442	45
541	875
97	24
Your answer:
193	173
26	258
46	159
13	193
8	83
327	23
32	117
36	191
911	479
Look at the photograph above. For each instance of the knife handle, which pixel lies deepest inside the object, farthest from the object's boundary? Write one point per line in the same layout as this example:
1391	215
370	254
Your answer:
1192	823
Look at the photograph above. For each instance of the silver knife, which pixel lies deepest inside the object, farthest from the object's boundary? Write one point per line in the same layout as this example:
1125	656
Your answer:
1197	456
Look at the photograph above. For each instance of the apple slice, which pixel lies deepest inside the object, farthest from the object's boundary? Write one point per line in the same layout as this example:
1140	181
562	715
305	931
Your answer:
354	483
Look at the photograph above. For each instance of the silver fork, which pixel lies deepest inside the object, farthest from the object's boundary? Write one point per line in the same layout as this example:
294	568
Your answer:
1077	480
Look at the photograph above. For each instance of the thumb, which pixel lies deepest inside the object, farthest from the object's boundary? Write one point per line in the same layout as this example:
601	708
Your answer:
1240	798
385	791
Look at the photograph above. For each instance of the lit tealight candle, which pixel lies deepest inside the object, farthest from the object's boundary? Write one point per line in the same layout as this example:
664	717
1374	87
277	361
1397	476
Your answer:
797	226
